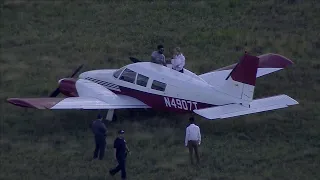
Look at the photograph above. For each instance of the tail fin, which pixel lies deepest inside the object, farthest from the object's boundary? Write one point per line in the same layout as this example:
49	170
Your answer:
241	81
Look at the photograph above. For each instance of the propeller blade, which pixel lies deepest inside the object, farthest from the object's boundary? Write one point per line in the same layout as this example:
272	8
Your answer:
134	60
77	70
55	93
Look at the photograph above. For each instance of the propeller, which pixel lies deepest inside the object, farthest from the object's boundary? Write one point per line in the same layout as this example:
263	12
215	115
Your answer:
57	91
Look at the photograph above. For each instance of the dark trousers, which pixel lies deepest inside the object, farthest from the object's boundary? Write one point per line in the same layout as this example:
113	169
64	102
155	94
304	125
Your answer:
121	167
100	147
193	146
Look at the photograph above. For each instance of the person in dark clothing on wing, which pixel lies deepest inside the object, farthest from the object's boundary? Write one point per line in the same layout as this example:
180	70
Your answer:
121	151
158	56
100	132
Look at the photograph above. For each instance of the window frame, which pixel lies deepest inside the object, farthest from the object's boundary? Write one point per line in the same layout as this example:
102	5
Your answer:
135	76
146	83
119	70
159	82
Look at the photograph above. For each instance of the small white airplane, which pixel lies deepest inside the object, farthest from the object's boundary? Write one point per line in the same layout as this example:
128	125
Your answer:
223	93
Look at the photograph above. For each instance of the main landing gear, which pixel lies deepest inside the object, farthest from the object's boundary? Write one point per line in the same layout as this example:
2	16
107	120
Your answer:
110	115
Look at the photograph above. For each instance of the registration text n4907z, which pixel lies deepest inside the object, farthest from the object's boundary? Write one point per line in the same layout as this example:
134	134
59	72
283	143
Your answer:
180	103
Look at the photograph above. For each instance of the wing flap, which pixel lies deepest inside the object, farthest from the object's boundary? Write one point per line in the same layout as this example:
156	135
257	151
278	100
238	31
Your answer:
256	106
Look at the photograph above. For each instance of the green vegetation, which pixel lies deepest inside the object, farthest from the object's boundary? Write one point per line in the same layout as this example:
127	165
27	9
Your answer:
42	41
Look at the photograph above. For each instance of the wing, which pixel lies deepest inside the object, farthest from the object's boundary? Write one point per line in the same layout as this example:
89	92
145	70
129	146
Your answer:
78	103
268	63
90	96
256	106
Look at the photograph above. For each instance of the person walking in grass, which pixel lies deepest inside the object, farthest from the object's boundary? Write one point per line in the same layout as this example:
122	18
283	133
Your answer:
120	153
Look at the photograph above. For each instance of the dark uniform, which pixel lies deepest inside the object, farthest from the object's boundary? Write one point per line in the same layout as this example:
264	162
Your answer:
121	154
99	130
158	56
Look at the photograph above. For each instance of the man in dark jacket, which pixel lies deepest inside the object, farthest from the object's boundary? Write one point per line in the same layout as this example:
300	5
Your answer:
121	150
158	56
100	132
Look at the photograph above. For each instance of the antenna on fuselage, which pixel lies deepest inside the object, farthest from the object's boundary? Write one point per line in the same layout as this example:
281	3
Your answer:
134	60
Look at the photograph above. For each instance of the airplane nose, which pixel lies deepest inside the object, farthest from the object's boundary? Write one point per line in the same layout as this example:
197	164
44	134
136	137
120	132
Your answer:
67	86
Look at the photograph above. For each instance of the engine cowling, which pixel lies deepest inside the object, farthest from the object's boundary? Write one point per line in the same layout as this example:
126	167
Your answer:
67	86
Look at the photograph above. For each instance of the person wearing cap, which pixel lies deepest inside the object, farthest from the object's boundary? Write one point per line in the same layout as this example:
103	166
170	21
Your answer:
193	139
121	151
178	60
99	130
158	56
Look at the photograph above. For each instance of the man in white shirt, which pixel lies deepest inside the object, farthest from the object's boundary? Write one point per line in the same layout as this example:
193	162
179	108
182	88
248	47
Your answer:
193	139
178	60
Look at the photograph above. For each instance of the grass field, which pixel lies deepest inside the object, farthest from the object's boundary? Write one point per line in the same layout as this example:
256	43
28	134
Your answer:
43	41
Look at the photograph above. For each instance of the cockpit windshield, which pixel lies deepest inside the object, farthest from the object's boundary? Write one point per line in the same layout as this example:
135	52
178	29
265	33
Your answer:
117	73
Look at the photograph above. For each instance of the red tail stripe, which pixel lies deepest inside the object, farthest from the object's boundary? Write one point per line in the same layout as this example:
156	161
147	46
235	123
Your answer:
246	70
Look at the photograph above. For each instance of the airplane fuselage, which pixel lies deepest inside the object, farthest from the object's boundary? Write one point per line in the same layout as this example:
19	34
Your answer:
160	87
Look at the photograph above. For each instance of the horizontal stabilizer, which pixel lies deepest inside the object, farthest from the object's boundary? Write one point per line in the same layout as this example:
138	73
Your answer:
268	63
256	106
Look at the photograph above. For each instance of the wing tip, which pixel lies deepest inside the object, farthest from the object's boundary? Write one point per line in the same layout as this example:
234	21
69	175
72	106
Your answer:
291	101
273	60
38	103
20	102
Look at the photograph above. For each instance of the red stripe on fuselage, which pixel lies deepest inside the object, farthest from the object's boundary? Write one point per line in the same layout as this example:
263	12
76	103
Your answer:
161	102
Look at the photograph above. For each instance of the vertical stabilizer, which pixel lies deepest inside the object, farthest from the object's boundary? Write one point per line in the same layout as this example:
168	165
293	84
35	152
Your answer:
241	81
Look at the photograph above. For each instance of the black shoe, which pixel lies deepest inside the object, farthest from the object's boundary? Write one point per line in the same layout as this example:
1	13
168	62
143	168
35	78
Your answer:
110	172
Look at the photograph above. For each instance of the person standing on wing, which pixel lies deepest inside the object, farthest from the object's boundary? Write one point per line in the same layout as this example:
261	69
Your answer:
178	60
158	56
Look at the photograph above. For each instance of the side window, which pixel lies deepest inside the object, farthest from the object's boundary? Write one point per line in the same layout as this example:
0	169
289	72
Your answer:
158	85
142	80
128	75
117	73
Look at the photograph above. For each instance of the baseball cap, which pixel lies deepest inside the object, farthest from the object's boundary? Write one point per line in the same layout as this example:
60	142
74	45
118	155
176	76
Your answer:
121	132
